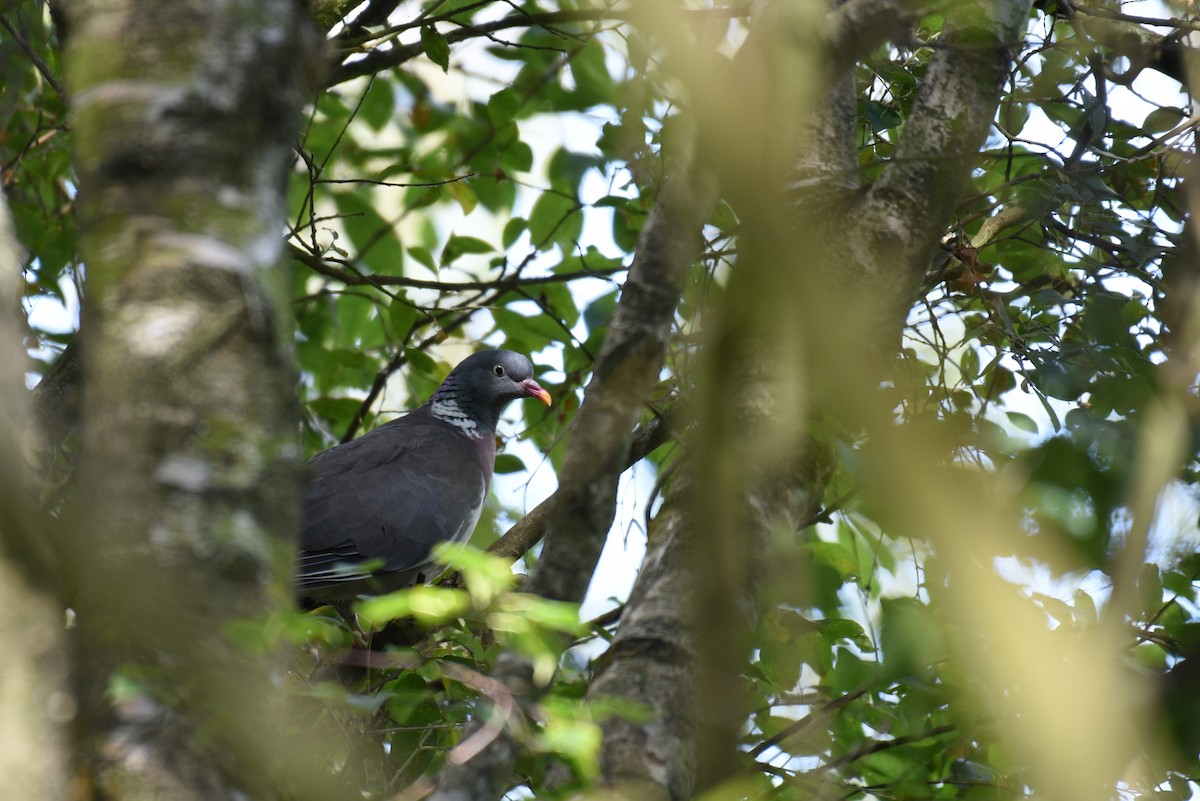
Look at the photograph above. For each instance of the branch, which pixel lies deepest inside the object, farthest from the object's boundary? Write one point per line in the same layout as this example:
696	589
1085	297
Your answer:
38	62
884	745
855	28
821	714
948	122
352	277
190	474
56	397
529	530
395	363
380	60
657	660
827	159
1158	22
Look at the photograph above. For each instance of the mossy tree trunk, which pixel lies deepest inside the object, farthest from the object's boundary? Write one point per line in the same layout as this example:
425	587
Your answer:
185	114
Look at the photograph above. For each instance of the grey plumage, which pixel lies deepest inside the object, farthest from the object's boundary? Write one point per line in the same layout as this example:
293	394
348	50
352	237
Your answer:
375	507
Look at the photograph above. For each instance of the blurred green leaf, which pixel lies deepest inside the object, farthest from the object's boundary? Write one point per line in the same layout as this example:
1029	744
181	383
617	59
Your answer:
1023	421
461	191
835	556
457	246
428	605
549	217
509	463
402	315
436	47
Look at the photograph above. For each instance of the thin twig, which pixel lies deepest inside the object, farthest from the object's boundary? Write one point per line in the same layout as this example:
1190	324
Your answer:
41	65
505	284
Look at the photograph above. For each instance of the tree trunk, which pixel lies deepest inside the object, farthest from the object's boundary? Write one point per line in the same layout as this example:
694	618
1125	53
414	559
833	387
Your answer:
184	118
35	698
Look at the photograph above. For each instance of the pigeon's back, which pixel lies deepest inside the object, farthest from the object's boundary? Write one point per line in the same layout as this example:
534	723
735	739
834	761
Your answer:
375	507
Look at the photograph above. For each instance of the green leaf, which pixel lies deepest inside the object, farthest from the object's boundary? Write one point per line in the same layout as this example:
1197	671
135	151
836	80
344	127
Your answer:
835	556
969	365
509	463
559	301
1023	422
421	361
724	217
1013	117
405	694
838	629
779	661
314	629
816	651
377	243
462	192
593	83
600	311
429	605
435	46
1150	587
1084	610
486	575
881	117
503	106
570	733
402	315
910	639
1161	120
555	615
1150	655
512	231
535	331
517	157
378	103
851	671
1057	609
566	169
457	246
423	256
548	218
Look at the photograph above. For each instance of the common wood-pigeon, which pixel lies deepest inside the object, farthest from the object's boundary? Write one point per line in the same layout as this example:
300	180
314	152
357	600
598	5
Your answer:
375	507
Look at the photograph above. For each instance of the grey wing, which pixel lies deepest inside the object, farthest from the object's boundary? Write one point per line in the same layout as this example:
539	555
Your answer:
383	505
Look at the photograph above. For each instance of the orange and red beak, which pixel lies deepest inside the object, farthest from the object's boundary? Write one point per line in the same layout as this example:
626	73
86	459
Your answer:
534	390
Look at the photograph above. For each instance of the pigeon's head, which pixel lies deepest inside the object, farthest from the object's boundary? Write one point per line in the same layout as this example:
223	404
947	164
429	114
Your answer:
485	382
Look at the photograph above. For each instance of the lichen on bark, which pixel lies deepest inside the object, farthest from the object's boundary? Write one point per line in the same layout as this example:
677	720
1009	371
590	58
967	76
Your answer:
185	114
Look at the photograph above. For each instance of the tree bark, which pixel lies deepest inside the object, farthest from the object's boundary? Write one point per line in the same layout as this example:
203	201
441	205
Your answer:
184	118
35	698
906	210
655	663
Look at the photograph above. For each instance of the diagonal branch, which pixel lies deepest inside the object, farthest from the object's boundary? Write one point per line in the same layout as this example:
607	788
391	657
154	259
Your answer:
379	60
529	530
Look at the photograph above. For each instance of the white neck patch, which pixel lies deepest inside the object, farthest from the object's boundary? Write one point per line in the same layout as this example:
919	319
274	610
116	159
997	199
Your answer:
449	411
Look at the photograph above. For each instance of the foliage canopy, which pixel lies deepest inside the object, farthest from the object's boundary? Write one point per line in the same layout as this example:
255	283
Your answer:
482	172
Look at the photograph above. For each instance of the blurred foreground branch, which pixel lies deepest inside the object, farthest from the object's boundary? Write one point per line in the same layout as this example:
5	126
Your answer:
35	702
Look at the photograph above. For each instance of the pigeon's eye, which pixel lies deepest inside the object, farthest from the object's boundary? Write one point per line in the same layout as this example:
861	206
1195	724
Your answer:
498	370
